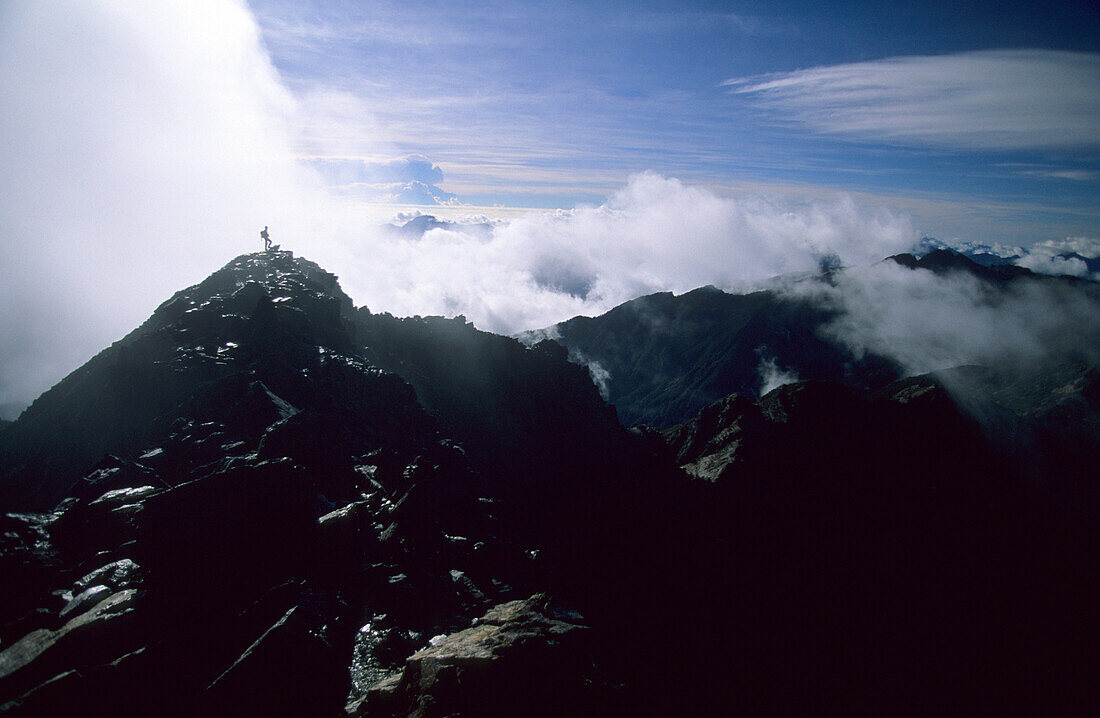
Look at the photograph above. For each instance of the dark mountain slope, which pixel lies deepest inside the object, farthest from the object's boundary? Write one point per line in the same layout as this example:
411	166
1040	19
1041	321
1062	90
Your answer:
882	555
254	326
668	356
530	421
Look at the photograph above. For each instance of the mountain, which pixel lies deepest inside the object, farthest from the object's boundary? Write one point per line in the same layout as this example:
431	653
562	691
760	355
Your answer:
416	227
661	358
281	466
266	501
1092	264
887	521
942	261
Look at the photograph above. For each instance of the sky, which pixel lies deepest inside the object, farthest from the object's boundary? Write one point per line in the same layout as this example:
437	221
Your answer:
946	108
588	152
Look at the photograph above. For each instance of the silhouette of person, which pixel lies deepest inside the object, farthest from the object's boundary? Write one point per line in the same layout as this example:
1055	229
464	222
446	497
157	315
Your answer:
266	238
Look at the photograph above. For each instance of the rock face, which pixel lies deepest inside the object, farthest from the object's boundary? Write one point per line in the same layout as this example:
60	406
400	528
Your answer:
264	501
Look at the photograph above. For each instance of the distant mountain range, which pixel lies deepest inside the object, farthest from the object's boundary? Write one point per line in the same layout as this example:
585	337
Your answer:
266	501
661	358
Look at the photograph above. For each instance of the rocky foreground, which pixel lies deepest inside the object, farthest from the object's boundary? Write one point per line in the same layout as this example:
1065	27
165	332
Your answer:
264	501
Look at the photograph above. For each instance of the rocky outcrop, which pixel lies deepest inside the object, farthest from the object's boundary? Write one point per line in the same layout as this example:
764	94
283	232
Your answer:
101	630
523	657
274	489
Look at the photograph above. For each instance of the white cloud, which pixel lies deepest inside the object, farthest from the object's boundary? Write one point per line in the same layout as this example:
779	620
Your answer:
997	99
143	145
654	234
927	321
1075	175
772	376
1057	257
1052	264
1088	247
411	168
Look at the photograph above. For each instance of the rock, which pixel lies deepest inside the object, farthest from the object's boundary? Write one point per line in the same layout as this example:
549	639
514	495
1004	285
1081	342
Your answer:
92	637
122	497
56	696
118	575
112	473
85	528
84	601
378	654
241	530
520	658
29	569
344	516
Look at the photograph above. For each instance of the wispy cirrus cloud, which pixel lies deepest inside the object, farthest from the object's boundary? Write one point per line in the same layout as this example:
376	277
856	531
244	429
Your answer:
986	100
1073	175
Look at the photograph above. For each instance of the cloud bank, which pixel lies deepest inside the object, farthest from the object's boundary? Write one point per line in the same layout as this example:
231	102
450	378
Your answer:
988	100
1072	256
143	146
928	322
654	234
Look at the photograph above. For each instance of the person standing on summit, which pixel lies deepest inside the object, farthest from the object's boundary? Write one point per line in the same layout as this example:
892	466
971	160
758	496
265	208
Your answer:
266	238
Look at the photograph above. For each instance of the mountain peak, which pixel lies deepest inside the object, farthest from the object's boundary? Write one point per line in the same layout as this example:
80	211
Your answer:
279	273
261	324
943	261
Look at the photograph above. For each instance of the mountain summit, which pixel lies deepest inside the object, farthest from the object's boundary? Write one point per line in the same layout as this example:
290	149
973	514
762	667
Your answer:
259	322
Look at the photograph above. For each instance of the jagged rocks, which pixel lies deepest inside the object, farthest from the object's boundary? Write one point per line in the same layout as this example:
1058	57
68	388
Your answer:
521	658
101	632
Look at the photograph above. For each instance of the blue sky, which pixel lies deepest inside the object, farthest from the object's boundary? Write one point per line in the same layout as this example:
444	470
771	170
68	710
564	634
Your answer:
547	105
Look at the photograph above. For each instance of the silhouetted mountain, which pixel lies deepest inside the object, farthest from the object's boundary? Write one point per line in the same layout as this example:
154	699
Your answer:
945	260
665	357
982	254
1092	264
417	226
661	358
244	453
264	501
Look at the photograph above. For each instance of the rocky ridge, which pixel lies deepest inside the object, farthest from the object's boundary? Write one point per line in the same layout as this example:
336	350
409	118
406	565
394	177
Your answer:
266	501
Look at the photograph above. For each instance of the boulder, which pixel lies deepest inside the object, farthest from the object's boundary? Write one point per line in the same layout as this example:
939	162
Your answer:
118	575
84	601
521	658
